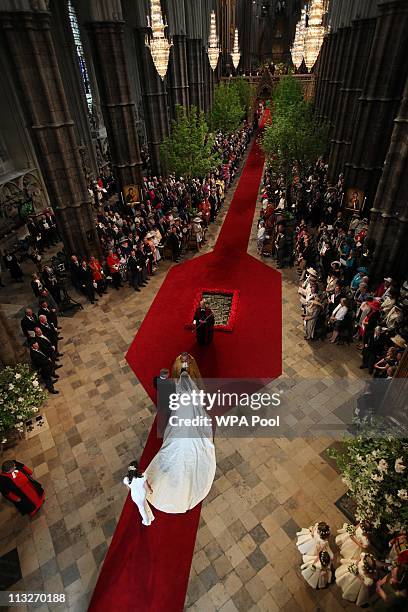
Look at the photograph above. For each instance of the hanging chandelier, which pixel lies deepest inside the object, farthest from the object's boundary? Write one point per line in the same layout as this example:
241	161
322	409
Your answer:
236	55
158	44
314	32
213	43
298	48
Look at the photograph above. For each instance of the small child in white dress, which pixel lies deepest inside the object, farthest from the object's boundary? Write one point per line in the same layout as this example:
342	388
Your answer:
313	540
353	540
317	570
139	487
355	577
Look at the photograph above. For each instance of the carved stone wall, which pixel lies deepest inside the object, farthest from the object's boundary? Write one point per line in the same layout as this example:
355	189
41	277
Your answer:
31	51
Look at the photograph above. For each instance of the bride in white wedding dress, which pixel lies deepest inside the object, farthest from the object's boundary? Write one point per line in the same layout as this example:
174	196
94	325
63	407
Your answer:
182	472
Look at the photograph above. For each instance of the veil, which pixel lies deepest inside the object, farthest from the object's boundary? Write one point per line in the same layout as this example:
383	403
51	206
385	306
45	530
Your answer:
202	427
185	384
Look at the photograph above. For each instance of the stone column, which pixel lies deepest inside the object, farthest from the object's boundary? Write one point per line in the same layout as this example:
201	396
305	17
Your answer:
178	74
386	72
106	35
327	69
361	36
155	104
207	81
195	72
327	81
341	67
31	49
389	216
321	74
11	349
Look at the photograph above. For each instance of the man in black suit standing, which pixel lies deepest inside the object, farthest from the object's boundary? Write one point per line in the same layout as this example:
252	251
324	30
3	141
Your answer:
28	323
75	270
373	349
46	347
165	387
173	243
44	365
135	271
49	331
86	282
51	314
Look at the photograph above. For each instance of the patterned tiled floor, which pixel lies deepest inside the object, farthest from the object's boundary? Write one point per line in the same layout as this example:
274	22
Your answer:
245	558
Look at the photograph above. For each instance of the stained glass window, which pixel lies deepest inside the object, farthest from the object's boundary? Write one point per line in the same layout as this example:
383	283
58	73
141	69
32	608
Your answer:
80	54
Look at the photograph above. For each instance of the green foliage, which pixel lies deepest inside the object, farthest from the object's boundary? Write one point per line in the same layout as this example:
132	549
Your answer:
245	91
20	397
376	473
294	137
188	151
227	111
287	94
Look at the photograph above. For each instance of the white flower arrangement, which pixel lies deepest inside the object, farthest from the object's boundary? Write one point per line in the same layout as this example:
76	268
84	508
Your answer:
383	466
353	569
374	470
21	397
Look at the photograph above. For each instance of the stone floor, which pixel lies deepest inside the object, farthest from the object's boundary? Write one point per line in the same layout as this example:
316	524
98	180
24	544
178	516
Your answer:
265	489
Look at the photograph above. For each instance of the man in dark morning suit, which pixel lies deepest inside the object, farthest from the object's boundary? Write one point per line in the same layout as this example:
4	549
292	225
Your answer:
164	386
28	323
44	365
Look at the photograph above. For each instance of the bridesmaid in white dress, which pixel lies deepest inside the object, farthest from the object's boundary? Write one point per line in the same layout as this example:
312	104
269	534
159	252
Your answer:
312	540
139	487
353	540
355	577
183	471
317	570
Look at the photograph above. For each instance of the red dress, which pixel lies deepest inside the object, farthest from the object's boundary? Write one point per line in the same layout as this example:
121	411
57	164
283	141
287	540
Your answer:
22	490
96	270
113	263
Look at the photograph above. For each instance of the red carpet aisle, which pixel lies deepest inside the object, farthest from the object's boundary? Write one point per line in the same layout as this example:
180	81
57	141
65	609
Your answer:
147	569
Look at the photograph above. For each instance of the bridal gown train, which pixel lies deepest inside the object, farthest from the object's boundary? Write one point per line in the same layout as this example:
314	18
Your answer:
182	472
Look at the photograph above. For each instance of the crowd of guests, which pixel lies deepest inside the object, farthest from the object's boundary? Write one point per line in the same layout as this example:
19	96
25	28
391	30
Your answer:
307	225
42	233
41	331
173	216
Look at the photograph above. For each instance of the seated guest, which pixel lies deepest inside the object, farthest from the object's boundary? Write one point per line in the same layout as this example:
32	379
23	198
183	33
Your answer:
389	361
334	298
337	319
